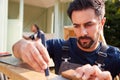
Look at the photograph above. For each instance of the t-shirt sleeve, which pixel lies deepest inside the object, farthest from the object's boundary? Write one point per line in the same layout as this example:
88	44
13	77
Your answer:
117	62
54	46
50	47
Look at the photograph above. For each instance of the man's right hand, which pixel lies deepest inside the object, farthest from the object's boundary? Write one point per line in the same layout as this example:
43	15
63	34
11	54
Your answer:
33	53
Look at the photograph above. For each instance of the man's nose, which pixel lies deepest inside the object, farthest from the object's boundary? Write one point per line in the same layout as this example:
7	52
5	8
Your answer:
83	31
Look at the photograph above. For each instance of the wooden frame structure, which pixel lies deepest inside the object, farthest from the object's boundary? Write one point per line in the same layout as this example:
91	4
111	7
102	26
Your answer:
68	32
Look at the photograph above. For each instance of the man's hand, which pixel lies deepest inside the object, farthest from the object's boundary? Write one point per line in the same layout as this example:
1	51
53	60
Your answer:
32	53
89	72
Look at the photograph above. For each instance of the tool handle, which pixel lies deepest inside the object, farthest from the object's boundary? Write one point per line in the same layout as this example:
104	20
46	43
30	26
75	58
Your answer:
47	72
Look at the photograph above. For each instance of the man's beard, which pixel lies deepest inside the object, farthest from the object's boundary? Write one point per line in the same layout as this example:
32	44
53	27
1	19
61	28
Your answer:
85	45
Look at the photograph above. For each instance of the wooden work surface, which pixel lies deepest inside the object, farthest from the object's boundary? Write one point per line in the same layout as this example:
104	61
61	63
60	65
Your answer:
17	72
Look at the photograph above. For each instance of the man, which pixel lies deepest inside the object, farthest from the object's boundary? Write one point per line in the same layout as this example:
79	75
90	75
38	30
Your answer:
37	33
88	20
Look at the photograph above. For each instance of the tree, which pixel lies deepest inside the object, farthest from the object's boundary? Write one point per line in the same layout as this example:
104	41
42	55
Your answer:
112	26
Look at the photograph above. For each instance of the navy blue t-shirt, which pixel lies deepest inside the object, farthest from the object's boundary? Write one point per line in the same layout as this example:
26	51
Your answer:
78	56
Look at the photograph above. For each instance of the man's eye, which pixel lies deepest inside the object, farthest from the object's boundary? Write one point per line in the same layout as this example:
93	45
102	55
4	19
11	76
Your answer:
88	25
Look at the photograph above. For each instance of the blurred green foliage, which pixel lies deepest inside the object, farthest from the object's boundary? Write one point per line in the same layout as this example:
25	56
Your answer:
112	26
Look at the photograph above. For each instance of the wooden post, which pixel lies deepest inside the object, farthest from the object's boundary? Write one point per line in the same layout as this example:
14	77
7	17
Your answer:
3	24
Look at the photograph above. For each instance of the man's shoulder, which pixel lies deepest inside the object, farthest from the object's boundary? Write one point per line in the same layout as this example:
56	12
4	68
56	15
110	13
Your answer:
60	42
55	40
113	48
114	51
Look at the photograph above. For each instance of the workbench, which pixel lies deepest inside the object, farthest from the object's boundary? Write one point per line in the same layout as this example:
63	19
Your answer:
17	70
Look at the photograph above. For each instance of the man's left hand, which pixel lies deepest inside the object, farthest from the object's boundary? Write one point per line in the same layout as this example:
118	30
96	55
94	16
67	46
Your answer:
89	72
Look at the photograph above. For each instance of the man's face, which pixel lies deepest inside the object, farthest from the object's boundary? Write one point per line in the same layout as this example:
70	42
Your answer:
87	27
33	28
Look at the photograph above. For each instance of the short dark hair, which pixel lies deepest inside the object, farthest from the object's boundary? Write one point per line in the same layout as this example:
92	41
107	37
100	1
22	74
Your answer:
36	26
97	5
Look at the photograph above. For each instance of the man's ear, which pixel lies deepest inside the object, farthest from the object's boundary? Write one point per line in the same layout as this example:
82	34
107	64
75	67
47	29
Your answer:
103	22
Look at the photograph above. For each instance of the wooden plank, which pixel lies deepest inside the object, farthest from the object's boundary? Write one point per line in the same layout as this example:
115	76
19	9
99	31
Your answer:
18	73
20	70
